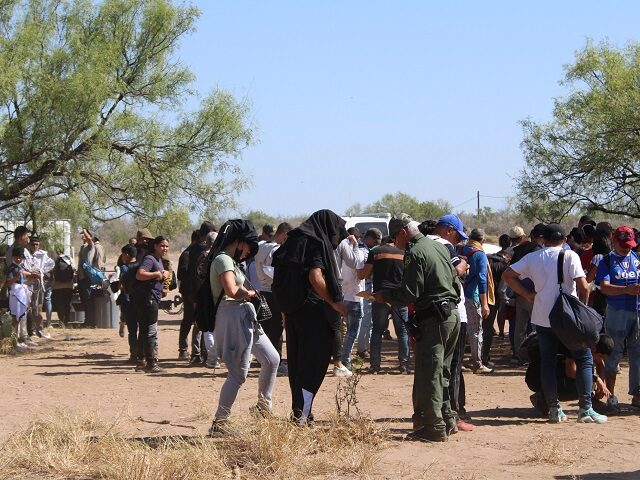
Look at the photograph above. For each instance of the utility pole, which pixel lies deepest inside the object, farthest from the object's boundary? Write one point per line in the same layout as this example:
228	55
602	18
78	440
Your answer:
478	214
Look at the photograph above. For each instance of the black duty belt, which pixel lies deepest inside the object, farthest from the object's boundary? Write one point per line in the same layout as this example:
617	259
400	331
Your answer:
432	309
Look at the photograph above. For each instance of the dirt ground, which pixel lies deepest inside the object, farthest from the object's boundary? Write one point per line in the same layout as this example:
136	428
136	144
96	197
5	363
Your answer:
89	373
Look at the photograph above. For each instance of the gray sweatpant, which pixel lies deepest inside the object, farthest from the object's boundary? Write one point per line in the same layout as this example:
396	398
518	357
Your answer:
237	336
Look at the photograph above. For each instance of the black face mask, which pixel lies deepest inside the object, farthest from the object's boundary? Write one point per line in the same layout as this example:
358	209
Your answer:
237	255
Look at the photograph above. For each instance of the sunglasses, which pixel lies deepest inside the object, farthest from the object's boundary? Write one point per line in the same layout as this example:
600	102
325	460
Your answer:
625	236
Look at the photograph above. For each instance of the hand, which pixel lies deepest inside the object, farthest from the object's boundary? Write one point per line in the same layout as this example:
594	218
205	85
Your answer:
632	289
340	308
530	297
484	311
166	275
352	240
251	294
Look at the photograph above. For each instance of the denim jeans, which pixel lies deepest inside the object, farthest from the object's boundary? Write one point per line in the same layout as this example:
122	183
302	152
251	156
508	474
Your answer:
364	336
380	320
474	330
622	326
548	364
354	318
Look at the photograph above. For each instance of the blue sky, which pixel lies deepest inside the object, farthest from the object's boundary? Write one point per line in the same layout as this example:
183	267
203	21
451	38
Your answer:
355	99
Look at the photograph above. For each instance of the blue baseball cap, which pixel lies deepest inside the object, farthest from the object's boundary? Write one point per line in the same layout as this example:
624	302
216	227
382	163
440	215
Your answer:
453	221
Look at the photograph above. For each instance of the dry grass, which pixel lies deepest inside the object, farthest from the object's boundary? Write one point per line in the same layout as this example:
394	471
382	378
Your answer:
548	450
80	446
7	346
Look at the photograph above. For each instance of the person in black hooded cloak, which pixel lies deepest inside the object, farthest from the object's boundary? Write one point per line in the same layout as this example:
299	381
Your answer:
307	288
237	333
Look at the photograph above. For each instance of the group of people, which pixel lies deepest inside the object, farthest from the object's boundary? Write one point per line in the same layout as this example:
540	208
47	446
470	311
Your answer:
433	280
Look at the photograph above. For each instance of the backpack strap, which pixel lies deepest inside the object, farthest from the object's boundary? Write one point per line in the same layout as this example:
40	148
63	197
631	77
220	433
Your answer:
560	269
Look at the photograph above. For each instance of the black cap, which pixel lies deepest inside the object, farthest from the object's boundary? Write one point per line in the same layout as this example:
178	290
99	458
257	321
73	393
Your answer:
538	230
587	220
554	232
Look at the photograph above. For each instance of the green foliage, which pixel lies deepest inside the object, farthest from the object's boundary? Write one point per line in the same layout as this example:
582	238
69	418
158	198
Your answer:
588	156
260	219
92	116
404	203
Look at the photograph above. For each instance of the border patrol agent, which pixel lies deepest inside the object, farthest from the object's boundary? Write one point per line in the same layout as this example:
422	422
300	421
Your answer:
428	283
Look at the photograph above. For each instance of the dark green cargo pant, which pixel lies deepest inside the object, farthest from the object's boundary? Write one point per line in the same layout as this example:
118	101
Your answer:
433	354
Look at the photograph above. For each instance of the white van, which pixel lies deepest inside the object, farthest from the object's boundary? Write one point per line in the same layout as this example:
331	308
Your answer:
365	221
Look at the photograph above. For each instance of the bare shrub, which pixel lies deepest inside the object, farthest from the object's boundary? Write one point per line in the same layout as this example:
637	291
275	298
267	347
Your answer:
548	450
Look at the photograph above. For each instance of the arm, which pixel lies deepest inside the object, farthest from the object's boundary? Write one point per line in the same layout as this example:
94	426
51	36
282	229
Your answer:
351	254
591	274
365	272
462	267
143	275
411	286
583	289
609	289
228	282
316	279
510	277
483	286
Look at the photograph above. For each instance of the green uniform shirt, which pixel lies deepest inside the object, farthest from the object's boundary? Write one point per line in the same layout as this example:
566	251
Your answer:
428	275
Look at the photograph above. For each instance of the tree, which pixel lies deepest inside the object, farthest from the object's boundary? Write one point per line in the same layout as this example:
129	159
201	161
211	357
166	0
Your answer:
588	157
404	203
92	98
260	219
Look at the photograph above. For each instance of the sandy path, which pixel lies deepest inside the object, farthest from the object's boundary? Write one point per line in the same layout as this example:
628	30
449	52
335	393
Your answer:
89	373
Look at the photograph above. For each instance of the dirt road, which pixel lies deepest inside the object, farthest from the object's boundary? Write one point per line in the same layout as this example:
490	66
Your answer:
89	373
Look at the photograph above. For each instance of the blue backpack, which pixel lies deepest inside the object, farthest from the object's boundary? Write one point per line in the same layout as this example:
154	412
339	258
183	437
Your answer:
94	275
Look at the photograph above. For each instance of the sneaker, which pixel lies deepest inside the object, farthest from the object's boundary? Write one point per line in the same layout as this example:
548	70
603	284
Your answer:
589	415
373	370
363	355
514	361
490	364
183	355
465	369
260	410
218	427
418	421
482	369
613	408
215	364
153	368
404	370
341	371
21	347
283	370
425	435
42	334
195	361
539	403
463	426
30	343
556	415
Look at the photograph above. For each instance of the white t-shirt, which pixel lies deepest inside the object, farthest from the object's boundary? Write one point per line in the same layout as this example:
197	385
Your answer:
542	267
462	310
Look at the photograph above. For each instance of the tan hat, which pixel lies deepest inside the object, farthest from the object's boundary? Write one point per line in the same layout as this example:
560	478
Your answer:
145	233
516	232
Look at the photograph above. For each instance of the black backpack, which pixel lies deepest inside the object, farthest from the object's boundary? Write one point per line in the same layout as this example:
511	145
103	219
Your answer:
62	270
206	307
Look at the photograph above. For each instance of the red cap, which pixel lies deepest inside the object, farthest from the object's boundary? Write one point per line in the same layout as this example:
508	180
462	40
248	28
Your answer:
625	236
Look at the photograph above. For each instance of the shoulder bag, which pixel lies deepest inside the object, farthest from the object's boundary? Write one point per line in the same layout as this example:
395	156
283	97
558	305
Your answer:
576	325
